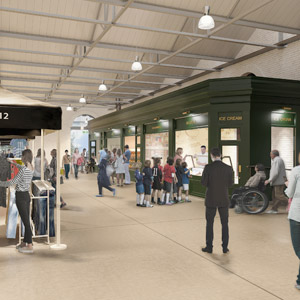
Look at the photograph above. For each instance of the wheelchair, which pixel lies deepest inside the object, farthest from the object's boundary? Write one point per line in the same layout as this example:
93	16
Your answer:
252	200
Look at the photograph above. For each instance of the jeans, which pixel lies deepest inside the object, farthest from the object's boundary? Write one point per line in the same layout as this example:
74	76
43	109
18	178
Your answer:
100	186
23	205
210	217
295	234
12	218
67	170
76	170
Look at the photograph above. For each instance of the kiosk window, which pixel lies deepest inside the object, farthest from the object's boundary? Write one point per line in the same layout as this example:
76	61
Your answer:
113	143
230	134
138	140
157	144
130	141
230	157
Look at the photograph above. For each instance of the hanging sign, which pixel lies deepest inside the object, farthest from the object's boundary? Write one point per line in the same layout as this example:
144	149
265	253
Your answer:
192	122
130	130
157	127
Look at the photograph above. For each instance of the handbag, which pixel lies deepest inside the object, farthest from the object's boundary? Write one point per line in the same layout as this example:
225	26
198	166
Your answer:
109	170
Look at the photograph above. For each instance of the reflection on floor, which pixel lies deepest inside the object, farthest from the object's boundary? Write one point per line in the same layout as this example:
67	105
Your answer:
119	251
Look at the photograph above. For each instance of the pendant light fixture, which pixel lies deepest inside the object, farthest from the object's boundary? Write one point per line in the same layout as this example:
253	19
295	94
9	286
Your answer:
206	22
102	87
82	99
136	66
69	108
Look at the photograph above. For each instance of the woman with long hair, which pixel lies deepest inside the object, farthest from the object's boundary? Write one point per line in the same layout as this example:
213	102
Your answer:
75	161
23	182
37	165
120	169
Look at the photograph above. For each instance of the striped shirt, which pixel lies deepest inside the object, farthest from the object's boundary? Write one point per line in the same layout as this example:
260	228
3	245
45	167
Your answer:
22	180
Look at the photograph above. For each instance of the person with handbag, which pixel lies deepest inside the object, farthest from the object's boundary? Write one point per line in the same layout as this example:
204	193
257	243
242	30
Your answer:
293	192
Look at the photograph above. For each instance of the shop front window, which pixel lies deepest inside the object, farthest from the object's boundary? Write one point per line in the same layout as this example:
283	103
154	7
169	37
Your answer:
157	145
113	143
230	157
130	141
191	141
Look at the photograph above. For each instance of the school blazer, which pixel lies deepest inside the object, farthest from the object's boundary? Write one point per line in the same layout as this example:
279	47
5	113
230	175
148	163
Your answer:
217	177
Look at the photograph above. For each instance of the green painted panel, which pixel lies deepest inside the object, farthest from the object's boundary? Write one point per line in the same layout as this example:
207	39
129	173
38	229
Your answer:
129	131
114	133
283	119
192	122
160	126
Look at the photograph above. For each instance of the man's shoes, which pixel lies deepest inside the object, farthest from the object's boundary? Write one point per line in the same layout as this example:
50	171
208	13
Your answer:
225	250
207	250
271	211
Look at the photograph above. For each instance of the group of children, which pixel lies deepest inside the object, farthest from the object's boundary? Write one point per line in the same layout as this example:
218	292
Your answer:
161	181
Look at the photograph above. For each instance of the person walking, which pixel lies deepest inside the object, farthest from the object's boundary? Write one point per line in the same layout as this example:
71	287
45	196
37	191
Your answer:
76	159
276	180
126	156
37	165
83	160
217	177
103	179
66	163
23	183
293	192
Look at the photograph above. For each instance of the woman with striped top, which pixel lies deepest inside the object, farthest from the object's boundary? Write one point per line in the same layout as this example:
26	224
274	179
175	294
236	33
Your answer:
23	181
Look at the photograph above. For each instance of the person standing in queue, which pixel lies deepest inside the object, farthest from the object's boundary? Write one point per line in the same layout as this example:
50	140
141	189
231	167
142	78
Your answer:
293	192
76	156
217	177
127	156
276	180
23	182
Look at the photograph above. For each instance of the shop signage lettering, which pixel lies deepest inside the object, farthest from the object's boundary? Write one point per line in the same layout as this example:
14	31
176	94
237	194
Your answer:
191	122
283	119
156	127
230	117
4	116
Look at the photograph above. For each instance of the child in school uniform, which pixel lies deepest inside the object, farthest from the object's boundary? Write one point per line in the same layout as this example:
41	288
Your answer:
179	174
186	181
147	181
157	171
139	185
169	176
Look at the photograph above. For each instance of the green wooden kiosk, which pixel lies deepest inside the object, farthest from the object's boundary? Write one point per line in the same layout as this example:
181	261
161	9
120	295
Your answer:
245	116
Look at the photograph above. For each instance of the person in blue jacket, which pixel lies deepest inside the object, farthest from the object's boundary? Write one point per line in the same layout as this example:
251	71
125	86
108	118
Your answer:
103	180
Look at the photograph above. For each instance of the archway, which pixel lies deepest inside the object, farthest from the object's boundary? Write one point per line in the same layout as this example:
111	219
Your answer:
79	134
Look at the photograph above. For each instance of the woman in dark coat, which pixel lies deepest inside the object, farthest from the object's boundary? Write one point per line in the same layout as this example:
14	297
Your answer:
103	180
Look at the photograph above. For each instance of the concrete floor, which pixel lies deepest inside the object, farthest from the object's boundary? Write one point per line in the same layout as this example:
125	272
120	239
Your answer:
119	251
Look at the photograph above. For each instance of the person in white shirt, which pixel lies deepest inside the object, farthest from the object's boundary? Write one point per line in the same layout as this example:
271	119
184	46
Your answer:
293	192
202	158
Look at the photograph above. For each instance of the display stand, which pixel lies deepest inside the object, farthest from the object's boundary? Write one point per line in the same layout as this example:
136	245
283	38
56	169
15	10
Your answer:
58	245
41	186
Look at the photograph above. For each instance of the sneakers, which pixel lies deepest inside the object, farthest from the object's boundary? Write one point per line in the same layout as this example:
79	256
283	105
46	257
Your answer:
297	286
188	200
114	192
170	203
25	249
271	211
149	205
21	245
181	201
100	195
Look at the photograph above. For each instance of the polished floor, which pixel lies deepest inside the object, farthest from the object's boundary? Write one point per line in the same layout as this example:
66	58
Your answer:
117	251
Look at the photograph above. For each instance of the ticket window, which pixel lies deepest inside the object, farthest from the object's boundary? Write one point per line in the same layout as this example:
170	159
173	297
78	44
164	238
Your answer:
283	140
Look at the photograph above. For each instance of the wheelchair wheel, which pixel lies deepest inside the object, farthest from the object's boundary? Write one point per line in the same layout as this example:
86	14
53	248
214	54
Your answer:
254	202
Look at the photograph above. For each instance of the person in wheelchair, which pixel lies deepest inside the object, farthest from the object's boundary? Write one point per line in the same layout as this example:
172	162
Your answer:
253	182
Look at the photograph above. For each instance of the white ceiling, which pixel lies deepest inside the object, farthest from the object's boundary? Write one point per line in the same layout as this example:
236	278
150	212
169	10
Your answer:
43	44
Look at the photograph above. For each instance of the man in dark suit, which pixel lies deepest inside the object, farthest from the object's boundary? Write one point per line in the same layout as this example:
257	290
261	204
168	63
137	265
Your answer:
217	177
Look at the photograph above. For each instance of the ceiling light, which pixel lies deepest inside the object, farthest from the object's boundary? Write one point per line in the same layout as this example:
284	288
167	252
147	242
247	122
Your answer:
206	22
69	108
136	66
82	99
102	87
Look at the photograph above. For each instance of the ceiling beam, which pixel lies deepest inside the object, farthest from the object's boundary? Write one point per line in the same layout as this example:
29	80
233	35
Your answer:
86	69
59	40
84	77
198	15
130	26
104	59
